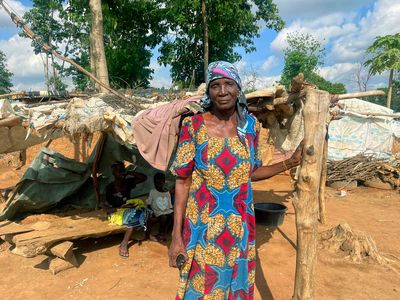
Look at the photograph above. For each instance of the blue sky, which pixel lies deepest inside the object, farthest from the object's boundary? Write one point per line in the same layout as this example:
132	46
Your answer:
345	28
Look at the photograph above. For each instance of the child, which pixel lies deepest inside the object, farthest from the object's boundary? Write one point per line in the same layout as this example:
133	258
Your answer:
160	202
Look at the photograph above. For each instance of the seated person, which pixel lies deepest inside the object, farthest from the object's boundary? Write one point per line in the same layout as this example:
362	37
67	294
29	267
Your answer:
159	201
131	212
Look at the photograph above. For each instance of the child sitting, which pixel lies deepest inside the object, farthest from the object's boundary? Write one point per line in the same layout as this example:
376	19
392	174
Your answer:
159	201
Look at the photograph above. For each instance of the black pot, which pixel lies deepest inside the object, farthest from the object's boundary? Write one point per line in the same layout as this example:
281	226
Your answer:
270	214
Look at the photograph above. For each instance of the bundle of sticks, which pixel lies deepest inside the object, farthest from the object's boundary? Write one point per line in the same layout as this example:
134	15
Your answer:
362	168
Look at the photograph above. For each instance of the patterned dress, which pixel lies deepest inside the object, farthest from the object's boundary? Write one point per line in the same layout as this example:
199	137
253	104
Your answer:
219	226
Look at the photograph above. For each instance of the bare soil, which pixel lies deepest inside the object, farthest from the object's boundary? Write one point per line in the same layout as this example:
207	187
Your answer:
102	274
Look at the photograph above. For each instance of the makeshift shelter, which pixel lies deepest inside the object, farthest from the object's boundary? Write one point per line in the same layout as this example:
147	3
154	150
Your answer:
363	127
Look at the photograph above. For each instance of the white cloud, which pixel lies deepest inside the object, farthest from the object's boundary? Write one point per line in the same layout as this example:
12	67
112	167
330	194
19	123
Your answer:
15	7
23	63
341	31
271	62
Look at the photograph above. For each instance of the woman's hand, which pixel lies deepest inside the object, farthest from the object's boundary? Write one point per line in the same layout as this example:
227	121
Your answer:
175	249
295	159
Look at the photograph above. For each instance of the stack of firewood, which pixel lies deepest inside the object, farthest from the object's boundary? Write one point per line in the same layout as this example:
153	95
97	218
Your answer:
273	106
364	168
390	173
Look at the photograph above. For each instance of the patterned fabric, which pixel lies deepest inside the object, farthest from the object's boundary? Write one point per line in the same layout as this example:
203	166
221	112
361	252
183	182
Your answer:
219	226
222	69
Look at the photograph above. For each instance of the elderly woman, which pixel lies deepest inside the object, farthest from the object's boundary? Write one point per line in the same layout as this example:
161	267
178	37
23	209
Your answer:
214	225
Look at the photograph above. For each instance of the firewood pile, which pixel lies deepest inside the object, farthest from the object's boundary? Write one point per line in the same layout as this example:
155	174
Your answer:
275	105
364	168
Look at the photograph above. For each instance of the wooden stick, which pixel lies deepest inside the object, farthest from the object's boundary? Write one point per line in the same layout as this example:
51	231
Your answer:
315	114
361	94
99	150
321	198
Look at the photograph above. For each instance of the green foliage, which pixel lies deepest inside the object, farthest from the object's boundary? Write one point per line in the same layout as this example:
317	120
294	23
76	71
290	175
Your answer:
323	84
381	100
385	53
231	23
55	84
303	55
5	75
132	29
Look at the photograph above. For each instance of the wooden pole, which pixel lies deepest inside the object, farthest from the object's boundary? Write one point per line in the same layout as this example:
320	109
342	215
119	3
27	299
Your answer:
99	150
324	171
361	94
315	114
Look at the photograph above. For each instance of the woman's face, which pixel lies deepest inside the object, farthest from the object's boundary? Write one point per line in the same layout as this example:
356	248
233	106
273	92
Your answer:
223	93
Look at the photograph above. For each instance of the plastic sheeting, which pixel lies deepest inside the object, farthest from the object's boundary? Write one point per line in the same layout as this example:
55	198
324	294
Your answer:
357	133
53	181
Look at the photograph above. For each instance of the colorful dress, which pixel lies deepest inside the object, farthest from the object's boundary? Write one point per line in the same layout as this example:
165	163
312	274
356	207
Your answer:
219	226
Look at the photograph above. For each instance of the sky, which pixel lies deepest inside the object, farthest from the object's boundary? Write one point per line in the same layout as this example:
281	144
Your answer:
345	28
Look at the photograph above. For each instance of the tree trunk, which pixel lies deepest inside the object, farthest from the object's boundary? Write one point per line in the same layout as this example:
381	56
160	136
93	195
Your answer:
205	26
390	87
46	71
97	43
306	203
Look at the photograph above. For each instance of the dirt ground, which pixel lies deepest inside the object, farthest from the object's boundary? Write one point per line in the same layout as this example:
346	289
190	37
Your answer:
102	274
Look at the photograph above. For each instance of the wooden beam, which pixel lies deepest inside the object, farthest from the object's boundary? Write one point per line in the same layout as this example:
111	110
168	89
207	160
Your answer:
315	114
361	94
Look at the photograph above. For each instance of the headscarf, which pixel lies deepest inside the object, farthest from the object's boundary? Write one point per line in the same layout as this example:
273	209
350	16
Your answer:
222	69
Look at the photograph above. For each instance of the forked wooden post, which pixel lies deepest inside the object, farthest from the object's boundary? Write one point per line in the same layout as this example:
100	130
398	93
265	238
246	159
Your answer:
306	202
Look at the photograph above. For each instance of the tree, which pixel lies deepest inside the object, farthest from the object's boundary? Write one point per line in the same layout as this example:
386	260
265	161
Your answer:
230	24
43	20
385	53
97	53
5	75
395	101
130	30
304	54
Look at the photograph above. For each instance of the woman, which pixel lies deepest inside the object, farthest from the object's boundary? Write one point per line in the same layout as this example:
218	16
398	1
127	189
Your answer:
214	225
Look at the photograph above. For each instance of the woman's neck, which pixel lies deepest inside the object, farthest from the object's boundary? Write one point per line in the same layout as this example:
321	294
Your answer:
225	115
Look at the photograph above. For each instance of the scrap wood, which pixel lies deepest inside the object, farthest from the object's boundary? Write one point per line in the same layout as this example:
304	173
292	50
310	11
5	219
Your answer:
359	167
58	265
8	227
92	224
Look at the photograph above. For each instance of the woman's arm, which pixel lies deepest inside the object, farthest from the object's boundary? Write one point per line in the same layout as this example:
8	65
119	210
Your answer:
265	172
182	187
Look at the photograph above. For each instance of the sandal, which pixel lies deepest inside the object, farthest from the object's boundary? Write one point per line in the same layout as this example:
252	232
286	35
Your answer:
123	251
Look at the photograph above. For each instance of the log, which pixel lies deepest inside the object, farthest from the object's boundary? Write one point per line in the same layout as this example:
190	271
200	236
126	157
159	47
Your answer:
315	114
10	122
93	224
297	83
361	94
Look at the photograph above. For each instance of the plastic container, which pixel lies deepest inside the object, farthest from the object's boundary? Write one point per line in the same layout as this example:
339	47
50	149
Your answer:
270	214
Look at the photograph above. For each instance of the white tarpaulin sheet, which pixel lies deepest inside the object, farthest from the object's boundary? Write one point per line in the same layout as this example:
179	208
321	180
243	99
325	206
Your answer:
356	133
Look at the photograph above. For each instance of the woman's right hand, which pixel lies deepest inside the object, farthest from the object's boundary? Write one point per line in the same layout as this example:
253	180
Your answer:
175	249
